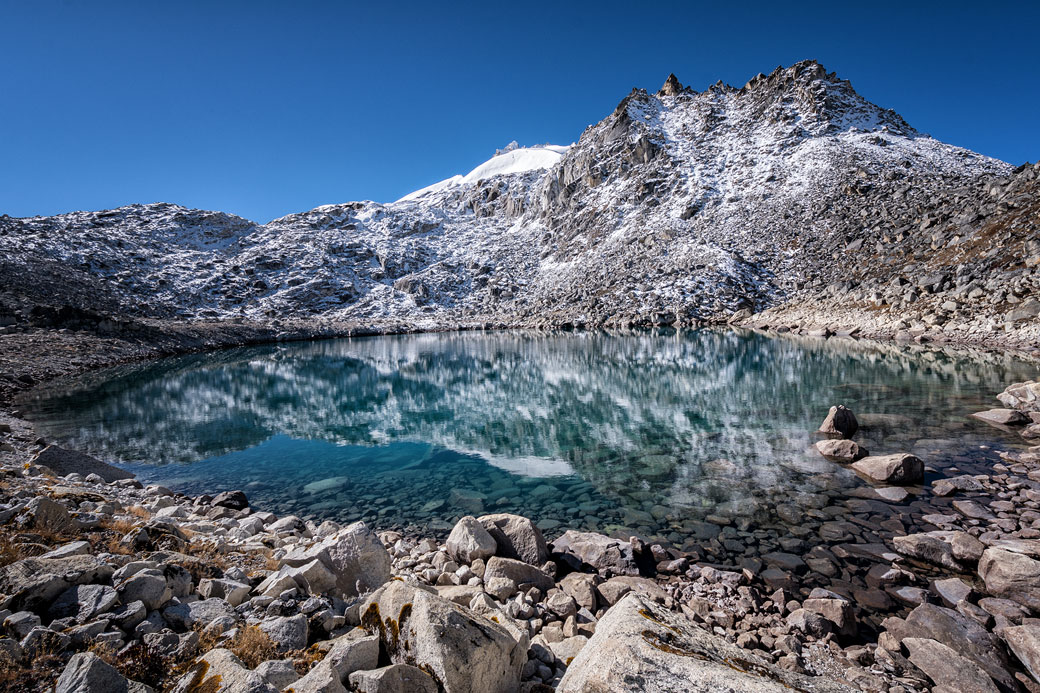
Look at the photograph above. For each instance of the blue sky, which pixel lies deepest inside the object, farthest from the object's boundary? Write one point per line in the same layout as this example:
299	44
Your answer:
266	108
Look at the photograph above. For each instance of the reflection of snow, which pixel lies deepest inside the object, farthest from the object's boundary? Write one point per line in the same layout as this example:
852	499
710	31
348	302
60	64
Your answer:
707	416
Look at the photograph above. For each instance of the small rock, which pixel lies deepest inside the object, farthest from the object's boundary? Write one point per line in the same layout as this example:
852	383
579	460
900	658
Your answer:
840	421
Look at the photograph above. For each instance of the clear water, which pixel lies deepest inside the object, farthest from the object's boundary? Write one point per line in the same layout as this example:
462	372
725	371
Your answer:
640	432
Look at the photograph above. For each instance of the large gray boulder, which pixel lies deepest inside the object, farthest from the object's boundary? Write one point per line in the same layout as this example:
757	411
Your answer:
322	678
640	646
465	652
352	652
64	462
1011	575
220	671
354	555
583	550
87	673
396	678
32	584
469	541
84	602
928	548
517	537
287	632
213	613
900	468
521	573
43	514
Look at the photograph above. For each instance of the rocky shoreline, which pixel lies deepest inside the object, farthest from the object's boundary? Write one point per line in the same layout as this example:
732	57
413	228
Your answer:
110	586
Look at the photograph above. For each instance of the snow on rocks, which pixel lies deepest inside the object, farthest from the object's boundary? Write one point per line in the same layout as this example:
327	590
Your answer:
678	207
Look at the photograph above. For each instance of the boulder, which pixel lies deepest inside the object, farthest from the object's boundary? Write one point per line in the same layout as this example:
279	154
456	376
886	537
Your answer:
84	602
841	450
840	421
640	646
1023	396
207	613
466	653
469	541
947	668
900	468
928	548
1024	641
322	678
612	590
951	591
220	671
354	555
592	551
87	673
1011	575
235	500
73	548
286	632
582	588
517	537
353	652
63	462
521	573
1003	417
958	632
836	610
34	583
281	673
147	587
396	678
43	514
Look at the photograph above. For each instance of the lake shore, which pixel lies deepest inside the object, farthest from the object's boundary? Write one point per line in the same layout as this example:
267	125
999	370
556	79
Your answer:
782	610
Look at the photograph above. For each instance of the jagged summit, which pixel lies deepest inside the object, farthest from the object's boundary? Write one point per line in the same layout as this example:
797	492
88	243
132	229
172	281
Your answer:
671	87
679	205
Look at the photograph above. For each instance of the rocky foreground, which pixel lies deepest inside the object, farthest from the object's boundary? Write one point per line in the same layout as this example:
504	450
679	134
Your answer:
106	585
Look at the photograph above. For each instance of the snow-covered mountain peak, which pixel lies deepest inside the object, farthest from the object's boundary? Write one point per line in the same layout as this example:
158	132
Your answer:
679	205
512	159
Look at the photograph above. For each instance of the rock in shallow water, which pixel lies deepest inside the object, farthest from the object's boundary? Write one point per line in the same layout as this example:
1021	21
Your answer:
900	468
844	451
840	421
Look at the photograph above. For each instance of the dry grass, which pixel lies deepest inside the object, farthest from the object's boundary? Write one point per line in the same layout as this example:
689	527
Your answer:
38	673
253	646
138	663
9	551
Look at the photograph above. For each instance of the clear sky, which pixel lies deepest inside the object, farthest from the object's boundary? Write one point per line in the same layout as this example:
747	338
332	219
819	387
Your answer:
266	108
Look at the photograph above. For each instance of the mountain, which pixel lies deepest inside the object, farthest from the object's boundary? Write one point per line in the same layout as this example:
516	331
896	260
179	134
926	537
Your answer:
680	206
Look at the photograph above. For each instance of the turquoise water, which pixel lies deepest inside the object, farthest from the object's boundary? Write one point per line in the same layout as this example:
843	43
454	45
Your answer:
648	432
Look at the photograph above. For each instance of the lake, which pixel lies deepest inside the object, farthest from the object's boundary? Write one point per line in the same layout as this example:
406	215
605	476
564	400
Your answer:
652	432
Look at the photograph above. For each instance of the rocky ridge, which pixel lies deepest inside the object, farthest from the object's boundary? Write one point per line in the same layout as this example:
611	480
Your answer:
679	207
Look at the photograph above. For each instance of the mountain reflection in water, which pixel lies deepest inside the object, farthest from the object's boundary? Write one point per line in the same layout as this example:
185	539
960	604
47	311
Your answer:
645	430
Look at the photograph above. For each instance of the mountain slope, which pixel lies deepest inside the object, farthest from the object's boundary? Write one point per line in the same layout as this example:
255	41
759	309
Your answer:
679	206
